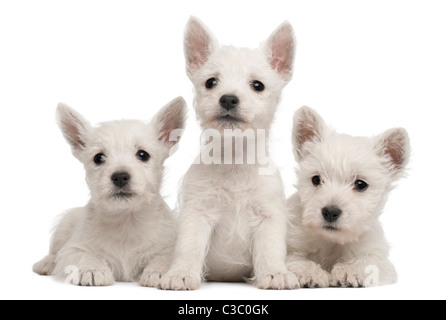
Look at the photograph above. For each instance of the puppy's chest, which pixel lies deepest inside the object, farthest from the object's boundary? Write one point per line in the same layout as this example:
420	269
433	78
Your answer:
238	205
127	251
326	254
238	216
124	244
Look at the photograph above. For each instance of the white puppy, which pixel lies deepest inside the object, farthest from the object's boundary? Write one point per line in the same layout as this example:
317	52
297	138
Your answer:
127	228
344	181
232	224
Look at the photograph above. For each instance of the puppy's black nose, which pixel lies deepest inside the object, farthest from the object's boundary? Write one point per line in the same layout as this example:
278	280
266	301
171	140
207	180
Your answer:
331	214
120	179
229	102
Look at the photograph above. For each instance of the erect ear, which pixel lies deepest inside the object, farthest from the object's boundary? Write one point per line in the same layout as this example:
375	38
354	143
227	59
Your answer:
394	145
280	50
199	44
169	123
75	128
308	127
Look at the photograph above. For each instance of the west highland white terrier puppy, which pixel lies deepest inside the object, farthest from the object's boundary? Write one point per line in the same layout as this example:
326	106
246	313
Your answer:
126	232
335	238
232	223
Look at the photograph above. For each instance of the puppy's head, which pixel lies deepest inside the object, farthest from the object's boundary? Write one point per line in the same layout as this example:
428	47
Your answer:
123	159
343	180
238	88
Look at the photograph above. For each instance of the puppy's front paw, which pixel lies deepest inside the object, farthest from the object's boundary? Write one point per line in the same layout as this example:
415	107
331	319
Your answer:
347	276
46	266
95	278
180	282
310	275
277	281
151	279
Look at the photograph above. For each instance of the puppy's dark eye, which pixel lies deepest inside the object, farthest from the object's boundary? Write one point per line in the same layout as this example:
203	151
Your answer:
99	159
211	83
143	156
316	181
258	86
361	186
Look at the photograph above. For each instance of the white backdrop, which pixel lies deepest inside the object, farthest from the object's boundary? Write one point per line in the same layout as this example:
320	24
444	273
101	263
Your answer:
366	66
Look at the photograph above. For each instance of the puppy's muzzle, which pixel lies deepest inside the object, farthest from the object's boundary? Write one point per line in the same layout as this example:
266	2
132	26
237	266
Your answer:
121	181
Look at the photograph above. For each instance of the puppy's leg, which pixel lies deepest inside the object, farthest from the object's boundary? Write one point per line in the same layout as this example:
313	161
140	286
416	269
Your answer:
157	267
61	236
310	274
367	271
83	268
194	232
45	267
270	268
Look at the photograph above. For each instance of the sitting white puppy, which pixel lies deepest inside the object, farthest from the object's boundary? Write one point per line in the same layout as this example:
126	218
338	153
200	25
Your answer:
232	224
127	231
335	237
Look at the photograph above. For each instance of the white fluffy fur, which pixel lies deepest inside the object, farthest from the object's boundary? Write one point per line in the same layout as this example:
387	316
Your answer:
117	239
321	257
232	224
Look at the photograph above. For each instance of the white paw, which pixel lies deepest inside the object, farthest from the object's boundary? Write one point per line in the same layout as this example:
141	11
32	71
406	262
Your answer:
45	267
310	275
95	278
277	281
151	279
347	276
315	280
180	282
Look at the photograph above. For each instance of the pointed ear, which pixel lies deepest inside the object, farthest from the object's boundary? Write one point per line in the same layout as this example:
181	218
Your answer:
75	128
308	127
394	145
280	50
199	44
169	123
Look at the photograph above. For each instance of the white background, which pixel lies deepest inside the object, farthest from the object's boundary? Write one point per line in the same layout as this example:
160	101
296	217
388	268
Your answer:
366	66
